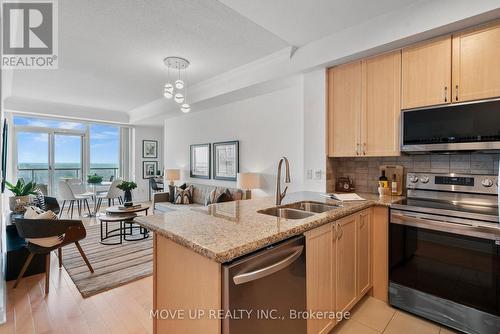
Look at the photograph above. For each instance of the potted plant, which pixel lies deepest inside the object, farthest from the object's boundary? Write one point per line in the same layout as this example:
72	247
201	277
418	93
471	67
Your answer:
127	187
22	192
94	179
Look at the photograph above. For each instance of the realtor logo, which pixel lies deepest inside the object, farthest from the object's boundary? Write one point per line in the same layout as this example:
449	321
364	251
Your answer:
29	34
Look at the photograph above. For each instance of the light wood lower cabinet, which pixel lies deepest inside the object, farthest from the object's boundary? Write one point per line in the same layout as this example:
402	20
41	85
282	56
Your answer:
363	252
346	293
194	285
339	267
380	253
320	258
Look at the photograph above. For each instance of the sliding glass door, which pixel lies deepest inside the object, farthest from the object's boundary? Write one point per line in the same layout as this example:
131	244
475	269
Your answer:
33	156
49	150
68	159
47	157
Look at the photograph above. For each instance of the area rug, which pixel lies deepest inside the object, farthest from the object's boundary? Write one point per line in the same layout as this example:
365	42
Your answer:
114	265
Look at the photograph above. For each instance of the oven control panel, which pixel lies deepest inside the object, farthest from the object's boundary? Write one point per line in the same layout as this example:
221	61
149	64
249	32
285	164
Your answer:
455	180
483	184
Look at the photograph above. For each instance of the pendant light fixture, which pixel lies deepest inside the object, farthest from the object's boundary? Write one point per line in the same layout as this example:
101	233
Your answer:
178	89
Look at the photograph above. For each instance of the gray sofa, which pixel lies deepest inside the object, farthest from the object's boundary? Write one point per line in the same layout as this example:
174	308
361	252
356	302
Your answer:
161	201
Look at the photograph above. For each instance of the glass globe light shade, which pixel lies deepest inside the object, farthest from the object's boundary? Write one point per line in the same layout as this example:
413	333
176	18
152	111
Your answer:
179	84
179	98
185	108
168	91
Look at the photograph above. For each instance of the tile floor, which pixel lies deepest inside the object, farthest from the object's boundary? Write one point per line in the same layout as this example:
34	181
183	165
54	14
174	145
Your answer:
372	316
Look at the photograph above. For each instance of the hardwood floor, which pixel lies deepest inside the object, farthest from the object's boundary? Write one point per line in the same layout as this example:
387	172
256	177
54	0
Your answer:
121	310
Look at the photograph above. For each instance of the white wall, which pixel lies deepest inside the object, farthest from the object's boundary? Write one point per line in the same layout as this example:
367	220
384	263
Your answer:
314	130
268	126
140	133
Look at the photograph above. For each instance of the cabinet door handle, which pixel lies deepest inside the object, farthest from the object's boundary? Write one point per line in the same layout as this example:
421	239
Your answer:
335	233
445	93
357	148
456	93
362	223
364	148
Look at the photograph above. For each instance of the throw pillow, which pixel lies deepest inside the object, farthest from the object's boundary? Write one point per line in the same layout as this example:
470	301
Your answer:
36	213
184	196
225	196
211	196
171	193
40	199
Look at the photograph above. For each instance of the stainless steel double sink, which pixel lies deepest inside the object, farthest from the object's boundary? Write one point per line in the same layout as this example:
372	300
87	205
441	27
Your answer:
298	210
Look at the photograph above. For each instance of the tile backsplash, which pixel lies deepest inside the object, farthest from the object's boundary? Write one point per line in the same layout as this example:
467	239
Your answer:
365	170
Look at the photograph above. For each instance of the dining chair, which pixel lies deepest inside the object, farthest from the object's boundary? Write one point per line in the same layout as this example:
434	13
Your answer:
66	194
73	231
154	187
78	188
112	194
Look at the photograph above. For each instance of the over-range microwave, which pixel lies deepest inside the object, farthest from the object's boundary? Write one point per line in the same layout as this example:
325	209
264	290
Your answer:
459	127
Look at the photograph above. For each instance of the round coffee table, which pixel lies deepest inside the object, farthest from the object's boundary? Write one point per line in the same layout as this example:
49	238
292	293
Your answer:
128	231
116	209
117	232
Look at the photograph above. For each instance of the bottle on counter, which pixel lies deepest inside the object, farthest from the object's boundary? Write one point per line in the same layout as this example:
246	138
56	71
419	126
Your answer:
383	181
394	185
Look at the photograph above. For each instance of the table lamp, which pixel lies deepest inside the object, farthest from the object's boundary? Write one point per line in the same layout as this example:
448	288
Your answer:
172	175
248	181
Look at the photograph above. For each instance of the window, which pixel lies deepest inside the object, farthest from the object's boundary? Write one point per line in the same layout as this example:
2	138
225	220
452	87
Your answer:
50	150
104	150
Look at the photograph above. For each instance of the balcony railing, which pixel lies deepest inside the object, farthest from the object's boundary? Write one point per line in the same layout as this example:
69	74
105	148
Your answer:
41	175
105	172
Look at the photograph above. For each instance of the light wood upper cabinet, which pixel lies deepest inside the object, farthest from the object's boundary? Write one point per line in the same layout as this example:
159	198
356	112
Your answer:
426	74
346	292
364	107
381	105
476	64
320	261
344	110
363	253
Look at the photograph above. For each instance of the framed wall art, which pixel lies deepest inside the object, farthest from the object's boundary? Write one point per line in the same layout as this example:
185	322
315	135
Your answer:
226	160
150	149
199	161
149	169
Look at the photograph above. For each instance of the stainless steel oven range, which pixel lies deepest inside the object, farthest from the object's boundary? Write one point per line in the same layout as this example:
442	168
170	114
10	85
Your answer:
444	251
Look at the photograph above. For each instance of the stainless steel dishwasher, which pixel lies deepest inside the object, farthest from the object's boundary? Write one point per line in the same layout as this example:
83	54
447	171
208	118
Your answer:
262	292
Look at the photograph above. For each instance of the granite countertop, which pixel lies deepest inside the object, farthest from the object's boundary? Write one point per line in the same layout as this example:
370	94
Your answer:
225	231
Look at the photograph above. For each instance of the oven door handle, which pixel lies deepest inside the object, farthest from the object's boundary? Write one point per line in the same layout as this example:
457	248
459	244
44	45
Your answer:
490	233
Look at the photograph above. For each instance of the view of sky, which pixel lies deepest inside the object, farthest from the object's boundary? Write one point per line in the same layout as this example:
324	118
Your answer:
33	147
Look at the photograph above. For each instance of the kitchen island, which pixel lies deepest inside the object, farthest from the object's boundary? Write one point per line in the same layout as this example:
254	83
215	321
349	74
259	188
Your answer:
190	247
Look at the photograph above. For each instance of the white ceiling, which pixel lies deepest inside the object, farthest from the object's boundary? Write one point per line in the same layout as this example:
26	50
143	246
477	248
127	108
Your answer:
111	52
299	22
